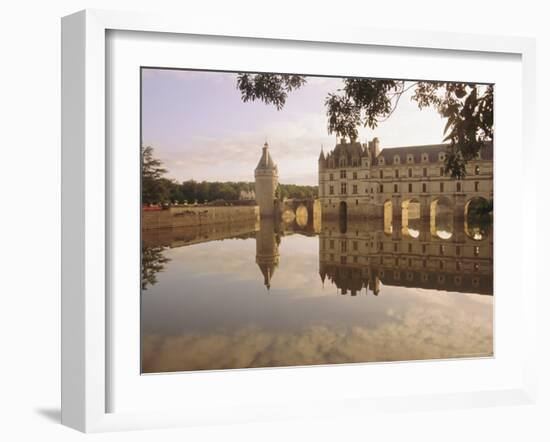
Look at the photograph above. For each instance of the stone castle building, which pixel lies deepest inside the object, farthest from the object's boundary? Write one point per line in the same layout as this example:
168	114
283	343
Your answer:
266	181
361	180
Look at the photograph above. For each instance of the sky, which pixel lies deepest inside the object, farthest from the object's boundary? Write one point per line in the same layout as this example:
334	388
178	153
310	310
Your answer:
200	129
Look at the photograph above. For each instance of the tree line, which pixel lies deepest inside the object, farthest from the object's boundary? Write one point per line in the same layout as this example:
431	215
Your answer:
157	189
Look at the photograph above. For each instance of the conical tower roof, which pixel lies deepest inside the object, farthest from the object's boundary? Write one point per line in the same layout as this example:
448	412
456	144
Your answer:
266	162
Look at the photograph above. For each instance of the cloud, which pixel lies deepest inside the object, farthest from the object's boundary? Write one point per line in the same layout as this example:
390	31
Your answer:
417	334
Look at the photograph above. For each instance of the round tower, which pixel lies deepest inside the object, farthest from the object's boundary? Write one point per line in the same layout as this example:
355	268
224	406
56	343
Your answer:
266	176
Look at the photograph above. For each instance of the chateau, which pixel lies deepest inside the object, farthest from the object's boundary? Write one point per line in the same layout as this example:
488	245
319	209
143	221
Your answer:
361	180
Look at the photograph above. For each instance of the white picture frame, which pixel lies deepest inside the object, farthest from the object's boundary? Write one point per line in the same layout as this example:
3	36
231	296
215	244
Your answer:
85	210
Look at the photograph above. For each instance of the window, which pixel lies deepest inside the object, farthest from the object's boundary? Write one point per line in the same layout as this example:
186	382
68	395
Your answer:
476	250
354	162
342	174
476	170
355	188
396	173
441	187
410	248
424	263
441	171
356	202
381	246
367	176
476	185
423	248
459	187
396	159
457	251
441	265
410	187
342	162
476	267
423	187
331	177
331	244
381	188
355	245
354	175
381	174
425	171
441	249
395	188
331	190
343	246
395	247
410	158
458	265
410	173
343	188
424	158
441	156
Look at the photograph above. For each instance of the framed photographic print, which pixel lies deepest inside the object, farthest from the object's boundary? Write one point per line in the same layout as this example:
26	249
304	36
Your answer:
269	223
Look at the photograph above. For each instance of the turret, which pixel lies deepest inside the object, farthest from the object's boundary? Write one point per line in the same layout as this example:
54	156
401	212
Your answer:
374	148
266	177
322	159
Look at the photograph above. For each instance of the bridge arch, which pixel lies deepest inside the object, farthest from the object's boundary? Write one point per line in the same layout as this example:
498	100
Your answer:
441	218
410	218
477	218
388	217
302	215
343	216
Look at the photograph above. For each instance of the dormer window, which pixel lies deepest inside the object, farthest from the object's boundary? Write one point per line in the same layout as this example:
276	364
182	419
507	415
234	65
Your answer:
381	161
424	157
441	156
410	158
342	162
396	159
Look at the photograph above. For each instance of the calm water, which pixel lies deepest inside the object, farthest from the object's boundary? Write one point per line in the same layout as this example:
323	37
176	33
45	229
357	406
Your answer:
265	295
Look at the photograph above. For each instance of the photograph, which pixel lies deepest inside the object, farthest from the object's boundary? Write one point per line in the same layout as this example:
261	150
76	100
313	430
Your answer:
292	220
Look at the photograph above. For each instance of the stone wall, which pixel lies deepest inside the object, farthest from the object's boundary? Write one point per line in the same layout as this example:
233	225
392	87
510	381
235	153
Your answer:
184	216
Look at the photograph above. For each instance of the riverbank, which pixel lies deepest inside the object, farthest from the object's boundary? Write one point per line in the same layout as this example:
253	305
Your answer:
203	215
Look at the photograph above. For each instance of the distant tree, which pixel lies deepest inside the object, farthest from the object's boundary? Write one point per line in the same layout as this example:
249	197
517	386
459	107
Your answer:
296	191
468	108
154	189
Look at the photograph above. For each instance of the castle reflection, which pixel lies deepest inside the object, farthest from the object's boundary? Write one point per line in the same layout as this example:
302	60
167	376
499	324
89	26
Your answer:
357	257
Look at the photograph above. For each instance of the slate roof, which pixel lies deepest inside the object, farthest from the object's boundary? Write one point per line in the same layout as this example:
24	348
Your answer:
266	162
432	150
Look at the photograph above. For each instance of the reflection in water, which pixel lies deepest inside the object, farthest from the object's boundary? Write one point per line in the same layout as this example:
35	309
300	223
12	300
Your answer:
152	262
478	218
441	220
206	305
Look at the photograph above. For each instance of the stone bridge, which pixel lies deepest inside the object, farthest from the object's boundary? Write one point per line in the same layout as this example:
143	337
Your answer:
303	214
